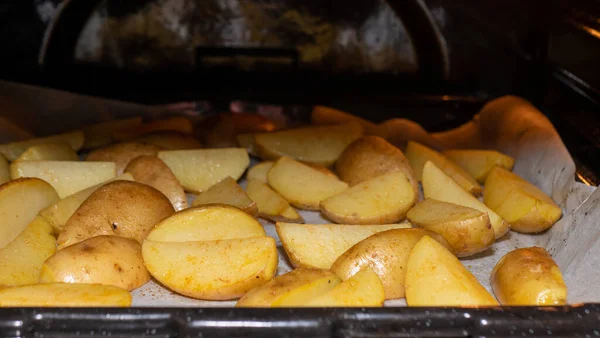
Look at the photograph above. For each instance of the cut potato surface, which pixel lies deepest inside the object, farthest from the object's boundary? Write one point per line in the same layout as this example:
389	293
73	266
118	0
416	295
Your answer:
122	153
380	200
322	115
212	270
59	213
66	177
419	154
467	230
478	163
49	152
15	214
523	205
270	204
21	260
364	289
304	187
12	151
170	140
206	223
227	191
260	171
294	288
100	134
246	141
316	144
198	170
4	170
439	186
319	245
435	277
65	295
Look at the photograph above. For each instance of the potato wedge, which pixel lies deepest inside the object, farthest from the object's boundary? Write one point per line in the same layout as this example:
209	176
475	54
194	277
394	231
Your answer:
15	214
12	151
270	205
387	254
212	270
439	186
246	141
418	154
317	144
65	295
66	177
435	277
122	153
260	171
198	170
105	213
304	187
523	205
380	200
4	170
227	191
372	156
206	223
291	289
59	213
478	163
101	134
321	168
152	171
49	152
364	289
21	260
319	245
178	124
322	115
220	131
467	230
528	276
170	140
107	260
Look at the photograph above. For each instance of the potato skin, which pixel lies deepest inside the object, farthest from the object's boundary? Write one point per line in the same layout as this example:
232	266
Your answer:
107	260
122	153
528	276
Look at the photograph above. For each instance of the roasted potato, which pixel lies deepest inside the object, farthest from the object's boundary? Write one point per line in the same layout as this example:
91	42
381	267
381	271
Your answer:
152	171
66	177
435	277
270	205
400	131
122	153
304	187
523	205
12	151
364	289
170	140
178	124
294	288
220	131
418	154
319	245
478	163
260	171
49	152
380	200
121	208
247	141
4	170
227	191
322	115
467	230
387	254
439	186
528	276
65	295
101	134
198	170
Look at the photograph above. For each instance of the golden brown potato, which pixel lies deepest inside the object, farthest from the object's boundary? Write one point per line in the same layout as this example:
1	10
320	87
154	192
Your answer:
199	169
316	144
49	152
364	289
291	289
387	254
21	260
101	134
478	163
435	277
322	115
417	155
320	168
467	230
12	151
65	295
152	171
400	131
270	205
120	208
4	170
227	191
301	185
523	205
372	156
246	141
260	171
317	246
107	260
170	140
439	186
220	131
206	223
179	124
212	270
528	276
20	202
380	200
122	153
